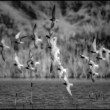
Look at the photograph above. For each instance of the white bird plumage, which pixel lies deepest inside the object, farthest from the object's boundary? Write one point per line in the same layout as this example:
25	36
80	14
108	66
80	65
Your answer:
36	38
107	54
93	67
4	45
94	46
85	57
99	52
18	35
18	38
68	84
19	65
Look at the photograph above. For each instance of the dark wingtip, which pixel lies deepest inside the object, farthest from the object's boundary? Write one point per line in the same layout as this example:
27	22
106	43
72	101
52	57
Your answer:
16	94
34	27
81	56
47	36
31	84
65	83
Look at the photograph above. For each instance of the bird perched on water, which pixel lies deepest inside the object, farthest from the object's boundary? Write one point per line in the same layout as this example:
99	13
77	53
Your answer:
68	84
3	46
18	64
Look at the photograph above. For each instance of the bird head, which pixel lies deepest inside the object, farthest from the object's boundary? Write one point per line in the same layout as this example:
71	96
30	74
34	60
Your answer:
90	64
47	36
65	83
27	67
99	58
15	64
90	72
81	56
59	69
31	84
92	51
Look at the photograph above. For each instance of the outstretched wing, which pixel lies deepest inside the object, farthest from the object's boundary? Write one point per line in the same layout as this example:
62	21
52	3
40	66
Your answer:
53	12
2	54
3	43
18	35
17	59
66	79
68	89
107	57
51	67
94	44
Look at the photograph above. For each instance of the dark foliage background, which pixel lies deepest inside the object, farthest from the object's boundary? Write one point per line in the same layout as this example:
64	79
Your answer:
78	20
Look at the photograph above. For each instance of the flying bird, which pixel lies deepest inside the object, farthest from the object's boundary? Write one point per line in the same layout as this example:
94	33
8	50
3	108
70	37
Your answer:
91	76
107	54
18	64
53	14
2	53
19	38
99	52
95	50
32	64
62	70
35	37
68	84
85	57
93	67
53	19
3	46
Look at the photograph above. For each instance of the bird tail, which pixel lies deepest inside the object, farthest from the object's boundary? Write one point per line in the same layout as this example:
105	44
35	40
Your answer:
68	88
70	84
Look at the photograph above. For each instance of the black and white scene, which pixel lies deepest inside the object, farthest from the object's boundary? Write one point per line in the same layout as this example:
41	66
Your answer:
54	54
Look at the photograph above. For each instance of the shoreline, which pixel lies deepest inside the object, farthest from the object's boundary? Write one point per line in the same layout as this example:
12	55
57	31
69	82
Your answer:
43	79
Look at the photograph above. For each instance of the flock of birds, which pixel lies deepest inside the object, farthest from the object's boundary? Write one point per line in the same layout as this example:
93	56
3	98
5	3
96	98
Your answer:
99	55
54	50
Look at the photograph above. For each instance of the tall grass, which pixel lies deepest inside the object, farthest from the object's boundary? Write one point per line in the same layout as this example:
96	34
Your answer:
71	35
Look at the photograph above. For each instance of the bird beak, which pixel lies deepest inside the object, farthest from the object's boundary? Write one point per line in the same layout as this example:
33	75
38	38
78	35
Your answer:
81	56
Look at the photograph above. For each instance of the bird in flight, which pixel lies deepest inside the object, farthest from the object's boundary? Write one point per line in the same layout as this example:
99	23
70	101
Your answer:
99	52
107	51
53	19
31	65
19	38
3	46
35	37
62	70
93	66
85	57
18	64
94	47
53	14
68	84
